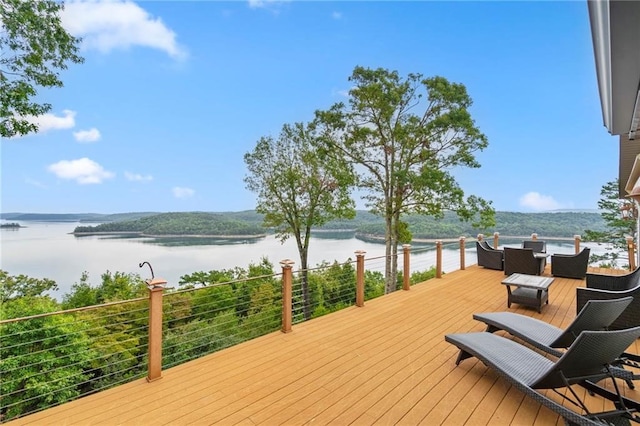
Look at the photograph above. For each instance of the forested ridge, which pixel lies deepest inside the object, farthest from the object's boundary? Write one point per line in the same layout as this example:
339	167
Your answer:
249	223
193	223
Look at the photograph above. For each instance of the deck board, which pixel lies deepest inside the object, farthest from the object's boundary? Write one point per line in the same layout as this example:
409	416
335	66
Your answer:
384	363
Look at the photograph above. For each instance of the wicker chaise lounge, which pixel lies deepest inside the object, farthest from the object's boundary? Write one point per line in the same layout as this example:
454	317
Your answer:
582	364
595	315
570	265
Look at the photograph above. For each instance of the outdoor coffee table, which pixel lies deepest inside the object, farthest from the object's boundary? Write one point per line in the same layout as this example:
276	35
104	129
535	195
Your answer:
530	290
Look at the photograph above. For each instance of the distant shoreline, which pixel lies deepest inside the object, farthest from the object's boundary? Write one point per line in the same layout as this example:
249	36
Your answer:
141	234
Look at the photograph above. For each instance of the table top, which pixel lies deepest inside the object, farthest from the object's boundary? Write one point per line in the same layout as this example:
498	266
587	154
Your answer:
528	281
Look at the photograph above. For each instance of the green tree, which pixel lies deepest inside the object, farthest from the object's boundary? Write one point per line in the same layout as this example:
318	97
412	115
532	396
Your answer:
298	188
44	360
15	286
406	145
617	228
35	47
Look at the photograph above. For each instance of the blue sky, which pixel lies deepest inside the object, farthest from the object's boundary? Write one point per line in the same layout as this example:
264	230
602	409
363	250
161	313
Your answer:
172	94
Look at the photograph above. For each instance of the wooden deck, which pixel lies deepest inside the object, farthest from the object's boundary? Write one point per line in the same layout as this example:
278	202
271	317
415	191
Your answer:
385	363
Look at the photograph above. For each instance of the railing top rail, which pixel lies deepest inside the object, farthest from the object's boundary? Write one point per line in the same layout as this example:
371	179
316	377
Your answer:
70	311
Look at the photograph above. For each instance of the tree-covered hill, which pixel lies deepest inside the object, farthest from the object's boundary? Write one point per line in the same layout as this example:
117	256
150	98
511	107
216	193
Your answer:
561	225
192	223
75	217
249	223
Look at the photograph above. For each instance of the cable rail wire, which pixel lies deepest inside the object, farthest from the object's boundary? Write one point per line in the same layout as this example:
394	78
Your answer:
51	358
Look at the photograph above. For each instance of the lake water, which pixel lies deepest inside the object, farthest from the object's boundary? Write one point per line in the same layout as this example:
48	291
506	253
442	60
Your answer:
48	250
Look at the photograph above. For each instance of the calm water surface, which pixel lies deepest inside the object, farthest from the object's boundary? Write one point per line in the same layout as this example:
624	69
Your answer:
47	250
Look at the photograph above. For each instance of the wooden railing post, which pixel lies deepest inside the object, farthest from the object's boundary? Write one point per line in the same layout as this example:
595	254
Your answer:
632	254
496	239
154	368
360	278
439	259
534	236
576	243
406	274
287	279
462	253
480	237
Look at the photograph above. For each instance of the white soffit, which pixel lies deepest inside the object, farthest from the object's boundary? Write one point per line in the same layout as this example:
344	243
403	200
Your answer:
633	176
615	30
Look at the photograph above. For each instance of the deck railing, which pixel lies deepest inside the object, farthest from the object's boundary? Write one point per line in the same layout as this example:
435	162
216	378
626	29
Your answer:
52	358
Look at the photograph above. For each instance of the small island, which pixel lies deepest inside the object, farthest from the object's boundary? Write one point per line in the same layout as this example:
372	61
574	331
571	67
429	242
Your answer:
171	225
12	225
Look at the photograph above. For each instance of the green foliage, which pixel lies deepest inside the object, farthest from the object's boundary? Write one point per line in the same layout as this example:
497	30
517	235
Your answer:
422	276
407	135
617	228
43	361
12	287
299	187
556	224
81	294
12	225
35	48
373	284
198	337
191	223
113	287
331	286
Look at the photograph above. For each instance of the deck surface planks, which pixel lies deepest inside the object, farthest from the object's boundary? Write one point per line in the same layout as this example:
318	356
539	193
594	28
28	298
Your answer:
385	363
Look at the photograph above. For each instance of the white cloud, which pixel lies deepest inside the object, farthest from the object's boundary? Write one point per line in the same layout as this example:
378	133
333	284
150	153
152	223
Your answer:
105	25
48	121
336	15
182	192
91	135
536	201
82	170
135	177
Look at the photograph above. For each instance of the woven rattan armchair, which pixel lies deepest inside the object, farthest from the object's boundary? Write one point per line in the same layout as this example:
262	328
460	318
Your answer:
629	318
570	265
522	261
537	246
614	282
489	257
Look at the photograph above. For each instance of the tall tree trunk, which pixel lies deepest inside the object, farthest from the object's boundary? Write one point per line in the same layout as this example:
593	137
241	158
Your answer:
389	276
306	304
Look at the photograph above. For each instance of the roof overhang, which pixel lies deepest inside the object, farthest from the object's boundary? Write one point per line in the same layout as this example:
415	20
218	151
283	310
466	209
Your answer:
629	165
615	29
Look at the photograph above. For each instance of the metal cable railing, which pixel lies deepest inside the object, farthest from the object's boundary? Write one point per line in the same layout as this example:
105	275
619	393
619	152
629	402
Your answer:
51	358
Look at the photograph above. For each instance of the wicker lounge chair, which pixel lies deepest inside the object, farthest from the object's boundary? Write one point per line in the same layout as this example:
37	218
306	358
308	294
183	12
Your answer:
595	315
489	257
582	364
522	261
630	317
570	265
